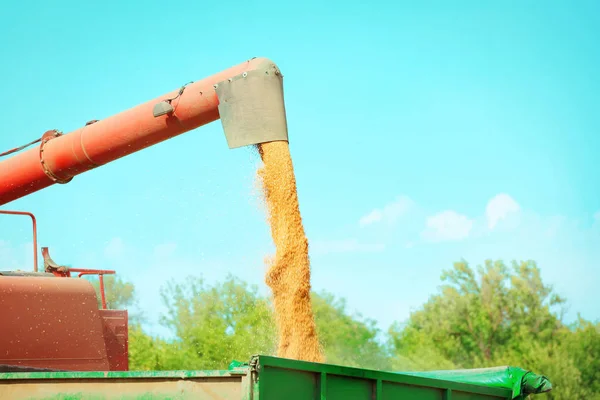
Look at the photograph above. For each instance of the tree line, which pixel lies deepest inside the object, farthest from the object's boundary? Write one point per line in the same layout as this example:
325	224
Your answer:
489	315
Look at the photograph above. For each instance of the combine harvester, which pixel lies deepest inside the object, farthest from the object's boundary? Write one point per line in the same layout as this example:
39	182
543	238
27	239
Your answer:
56	344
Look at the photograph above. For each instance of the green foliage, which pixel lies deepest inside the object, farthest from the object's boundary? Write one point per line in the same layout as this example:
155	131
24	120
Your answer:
486	316
347	340
216	324
148	353
415	350
496	315
480	314
145	352
584	347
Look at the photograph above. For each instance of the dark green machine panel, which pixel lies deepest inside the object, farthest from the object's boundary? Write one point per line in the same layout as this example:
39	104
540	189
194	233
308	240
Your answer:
296	380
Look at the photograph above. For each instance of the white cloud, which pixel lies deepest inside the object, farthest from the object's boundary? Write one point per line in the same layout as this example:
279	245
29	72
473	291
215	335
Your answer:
114	248
499	208
597	216
371	218
447	226
389	213
345	246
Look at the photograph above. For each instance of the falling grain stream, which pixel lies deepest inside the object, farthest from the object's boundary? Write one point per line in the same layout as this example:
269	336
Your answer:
288	273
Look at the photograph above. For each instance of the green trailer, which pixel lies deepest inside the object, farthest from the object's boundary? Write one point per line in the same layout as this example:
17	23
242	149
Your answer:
272	378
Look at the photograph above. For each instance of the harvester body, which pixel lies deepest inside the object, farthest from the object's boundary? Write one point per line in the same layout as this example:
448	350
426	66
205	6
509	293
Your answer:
54	323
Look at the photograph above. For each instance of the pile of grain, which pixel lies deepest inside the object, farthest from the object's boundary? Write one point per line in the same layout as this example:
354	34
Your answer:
289	269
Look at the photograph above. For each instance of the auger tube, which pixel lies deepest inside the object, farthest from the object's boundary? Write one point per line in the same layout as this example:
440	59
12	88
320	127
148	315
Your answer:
247	97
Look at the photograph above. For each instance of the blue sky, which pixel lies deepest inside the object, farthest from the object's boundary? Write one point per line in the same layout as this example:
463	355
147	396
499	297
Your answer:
421	133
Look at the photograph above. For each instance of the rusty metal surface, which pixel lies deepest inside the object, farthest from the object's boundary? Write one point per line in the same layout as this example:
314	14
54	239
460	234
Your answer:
51	266
252	107
16	368
51	323
116	338
102	294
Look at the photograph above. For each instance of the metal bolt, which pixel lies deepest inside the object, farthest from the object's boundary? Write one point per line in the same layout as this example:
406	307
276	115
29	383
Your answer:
215	86
245	74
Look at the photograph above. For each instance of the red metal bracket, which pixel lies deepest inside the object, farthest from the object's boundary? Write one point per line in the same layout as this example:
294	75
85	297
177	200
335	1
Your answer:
46	137
100	273
65	272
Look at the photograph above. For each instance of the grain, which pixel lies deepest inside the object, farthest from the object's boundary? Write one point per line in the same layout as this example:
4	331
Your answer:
288	273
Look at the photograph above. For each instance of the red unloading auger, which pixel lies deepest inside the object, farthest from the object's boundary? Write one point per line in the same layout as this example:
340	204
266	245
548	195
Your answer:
248	98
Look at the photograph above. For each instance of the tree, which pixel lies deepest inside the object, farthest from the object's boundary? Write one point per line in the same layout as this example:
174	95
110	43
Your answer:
481	313
347	339
214	325
496	315
490	315
584	347
145	352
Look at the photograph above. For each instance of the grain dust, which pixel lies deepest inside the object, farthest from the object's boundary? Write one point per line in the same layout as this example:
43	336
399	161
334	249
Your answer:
288	274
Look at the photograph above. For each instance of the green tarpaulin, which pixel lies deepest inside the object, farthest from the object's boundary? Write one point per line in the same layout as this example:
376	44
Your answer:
521	382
